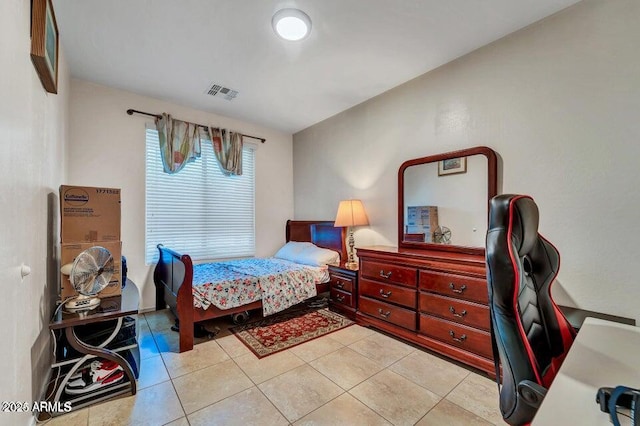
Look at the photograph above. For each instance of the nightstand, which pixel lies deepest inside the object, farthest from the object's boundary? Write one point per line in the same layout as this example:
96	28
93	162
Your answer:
343	288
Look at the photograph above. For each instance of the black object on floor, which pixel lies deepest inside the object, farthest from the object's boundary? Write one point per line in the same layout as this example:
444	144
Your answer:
322	302
199	330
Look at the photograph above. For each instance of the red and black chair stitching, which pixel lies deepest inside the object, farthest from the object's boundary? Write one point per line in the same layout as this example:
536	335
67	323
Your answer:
531	335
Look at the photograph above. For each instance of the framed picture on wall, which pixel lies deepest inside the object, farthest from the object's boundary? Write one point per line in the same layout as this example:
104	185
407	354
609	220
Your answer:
452	166
44	43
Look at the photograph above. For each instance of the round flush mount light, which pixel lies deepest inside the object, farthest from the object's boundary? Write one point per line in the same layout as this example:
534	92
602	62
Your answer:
291	24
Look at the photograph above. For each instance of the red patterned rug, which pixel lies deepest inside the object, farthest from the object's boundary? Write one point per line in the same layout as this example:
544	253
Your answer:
283	331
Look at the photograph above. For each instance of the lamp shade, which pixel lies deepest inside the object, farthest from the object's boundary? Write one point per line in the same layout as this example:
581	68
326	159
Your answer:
351	213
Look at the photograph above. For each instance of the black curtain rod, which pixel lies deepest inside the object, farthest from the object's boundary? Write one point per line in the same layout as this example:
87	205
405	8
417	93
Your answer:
131	111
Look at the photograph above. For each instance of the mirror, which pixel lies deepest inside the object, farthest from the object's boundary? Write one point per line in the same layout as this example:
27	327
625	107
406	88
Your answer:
443	200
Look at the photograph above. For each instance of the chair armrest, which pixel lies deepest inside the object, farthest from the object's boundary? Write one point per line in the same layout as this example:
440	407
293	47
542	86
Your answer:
531	392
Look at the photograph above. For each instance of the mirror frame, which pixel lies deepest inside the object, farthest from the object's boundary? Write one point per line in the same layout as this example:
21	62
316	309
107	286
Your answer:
492	191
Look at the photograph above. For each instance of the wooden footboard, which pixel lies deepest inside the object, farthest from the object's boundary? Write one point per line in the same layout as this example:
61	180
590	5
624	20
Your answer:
173	277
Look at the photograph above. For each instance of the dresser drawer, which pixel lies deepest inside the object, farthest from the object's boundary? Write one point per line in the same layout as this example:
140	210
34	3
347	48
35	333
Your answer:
390	313
467	338
458	286
456	310
341	283
340	297
389	273
389	293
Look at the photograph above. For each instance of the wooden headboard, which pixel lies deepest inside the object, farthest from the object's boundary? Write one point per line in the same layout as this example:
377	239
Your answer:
320	232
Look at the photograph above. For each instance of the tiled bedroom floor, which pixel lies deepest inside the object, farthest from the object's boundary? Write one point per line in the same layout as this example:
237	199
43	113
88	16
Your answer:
355	376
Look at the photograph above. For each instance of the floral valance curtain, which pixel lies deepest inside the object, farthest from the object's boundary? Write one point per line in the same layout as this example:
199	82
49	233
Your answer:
228	149
181	142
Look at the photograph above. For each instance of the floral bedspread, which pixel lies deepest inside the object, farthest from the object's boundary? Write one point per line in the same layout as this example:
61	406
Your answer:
279	283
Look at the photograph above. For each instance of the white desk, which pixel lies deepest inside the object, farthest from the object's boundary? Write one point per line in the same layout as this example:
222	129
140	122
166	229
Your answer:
604	354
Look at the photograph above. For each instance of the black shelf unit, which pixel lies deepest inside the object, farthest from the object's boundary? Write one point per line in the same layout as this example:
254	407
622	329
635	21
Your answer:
108	332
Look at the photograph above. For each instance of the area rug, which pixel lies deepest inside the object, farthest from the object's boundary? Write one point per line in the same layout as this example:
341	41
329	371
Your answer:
288	329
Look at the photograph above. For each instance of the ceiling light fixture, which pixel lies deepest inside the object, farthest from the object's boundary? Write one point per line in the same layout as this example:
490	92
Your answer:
291	24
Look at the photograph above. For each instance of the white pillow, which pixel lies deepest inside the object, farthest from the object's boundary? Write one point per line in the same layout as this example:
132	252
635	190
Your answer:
307	254
291	250
317	256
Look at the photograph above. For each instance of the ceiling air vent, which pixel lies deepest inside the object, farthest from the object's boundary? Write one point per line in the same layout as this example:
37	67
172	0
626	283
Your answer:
220	91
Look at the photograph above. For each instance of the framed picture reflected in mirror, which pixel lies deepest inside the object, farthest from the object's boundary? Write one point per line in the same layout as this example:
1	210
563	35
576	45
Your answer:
452	166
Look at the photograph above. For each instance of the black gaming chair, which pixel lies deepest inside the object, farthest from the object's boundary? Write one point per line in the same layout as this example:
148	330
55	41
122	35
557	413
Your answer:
531	335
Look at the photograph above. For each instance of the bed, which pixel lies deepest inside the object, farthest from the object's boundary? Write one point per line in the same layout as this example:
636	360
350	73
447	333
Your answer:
174	278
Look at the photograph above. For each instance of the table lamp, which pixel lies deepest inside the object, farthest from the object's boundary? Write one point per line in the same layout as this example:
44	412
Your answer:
351	213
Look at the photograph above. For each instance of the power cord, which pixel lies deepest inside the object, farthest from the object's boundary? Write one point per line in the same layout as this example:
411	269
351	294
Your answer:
61	304
55	348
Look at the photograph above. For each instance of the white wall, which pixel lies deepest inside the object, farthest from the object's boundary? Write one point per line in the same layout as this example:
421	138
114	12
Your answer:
33	131
107	148
559	101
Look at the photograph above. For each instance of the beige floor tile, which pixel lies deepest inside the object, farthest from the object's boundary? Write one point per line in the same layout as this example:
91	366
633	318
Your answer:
261	370
166	340
298	392
180	422
448	413
345	410
146	342
201	356
479	395
232	346
395	398
75	418
431	372
346	367
160	320
152	372
351	334
383	349
316	348
210	385
155	405
249	407
142	324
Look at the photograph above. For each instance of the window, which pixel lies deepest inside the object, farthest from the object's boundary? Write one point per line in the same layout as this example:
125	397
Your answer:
199	210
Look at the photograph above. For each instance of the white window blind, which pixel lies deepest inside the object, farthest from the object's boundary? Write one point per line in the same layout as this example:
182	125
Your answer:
199	210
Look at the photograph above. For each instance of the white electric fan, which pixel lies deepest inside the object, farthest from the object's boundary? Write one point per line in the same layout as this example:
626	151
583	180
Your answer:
89	274
442	234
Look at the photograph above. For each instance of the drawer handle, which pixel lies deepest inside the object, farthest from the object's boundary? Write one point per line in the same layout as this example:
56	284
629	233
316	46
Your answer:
386	275
340	298
385	295
383	313
455	290
339	284
457	339
455	314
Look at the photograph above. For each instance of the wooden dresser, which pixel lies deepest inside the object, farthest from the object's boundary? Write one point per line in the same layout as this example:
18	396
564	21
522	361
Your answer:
436	299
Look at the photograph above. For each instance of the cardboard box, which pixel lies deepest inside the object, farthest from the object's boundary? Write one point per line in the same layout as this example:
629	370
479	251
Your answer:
68	253
422	220
89	214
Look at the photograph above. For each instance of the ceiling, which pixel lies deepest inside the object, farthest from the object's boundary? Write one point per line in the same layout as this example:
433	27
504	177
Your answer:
174	50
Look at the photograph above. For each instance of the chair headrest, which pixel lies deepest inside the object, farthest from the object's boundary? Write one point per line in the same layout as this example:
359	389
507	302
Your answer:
522	212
